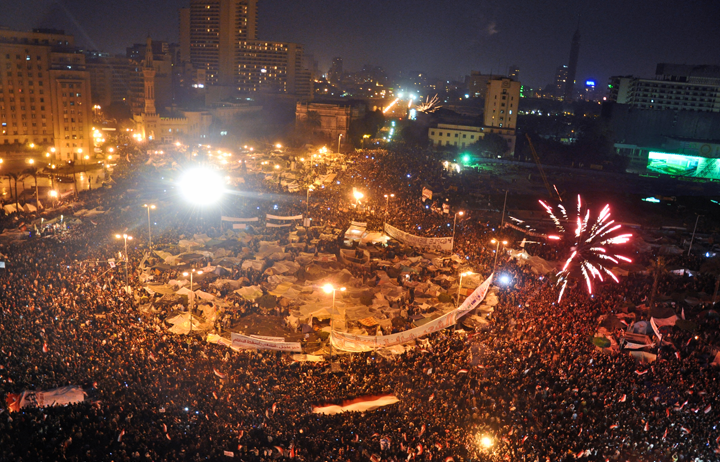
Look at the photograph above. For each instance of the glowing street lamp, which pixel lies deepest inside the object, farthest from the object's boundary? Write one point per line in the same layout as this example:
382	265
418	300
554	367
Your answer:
307	201
486	442
452	245
387	203
127	260
357	195
339	138
497	249
148	207
330	289
457	299
192	300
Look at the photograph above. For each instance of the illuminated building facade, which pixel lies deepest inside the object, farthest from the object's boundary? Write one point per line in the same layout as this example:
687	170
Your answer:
44	92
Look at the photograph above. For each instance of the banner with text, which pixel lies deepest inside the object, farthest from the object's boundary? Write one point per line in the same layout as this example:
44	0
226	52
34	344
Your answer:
430	243
244	342
240	220
275	217
356	343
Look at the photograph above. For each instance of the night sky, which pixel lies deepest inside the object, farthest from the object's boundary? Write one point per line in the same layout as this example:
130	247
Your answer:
444	38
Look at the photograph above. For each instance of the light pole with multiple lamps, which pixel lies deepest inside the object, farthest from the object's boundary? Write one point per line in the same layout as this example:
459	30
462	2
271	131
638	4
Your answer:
457	299
126	238
148	207
497	250
191	301
330	289
452	246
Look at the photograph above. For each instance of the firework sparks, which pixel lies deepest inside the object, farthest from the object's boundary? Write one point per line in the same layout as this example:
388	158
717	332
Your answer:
590	242
429	105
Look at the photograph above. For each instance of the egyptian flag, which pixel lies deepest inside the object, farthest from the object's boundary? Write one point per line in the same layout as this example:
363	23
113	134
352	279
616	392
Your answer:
220	374
422	430
280	450
357	438
240	434
524	439
274	406
613	427
622	399
665	434
432	397
419	449
707	409
647	425
151	356
374	458
462	371
165	428
292	451
122	433
449	459
685	429
45	348
641	373
439	446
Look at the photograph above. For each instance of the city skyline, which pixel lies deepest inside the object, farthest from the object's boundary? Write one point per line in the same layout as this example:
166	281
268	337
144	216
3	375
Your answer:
445	40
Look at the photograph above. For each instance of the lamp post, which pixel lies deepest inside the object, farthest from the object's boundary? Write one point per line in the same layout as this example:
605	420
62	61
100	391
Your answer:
339	138
497	250
127	260
452	245
148	207
357	195
457	299
330	289
191	302
387	203
307	201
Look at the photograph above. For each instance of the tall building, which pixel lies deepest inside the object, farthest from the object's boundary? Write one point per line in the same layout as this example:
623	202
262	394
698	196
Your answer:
216	27
561	79
44	92
477	83
572	66
677	87
514	73
115	79
503	96
163	63
335	73
220	37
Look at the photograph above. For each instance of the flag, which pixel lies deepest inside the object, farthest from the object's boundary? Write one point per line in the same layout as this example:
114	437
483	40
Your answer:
280	450
374	458
449	459
229	453
432	397
165	428
167	436
215	395
647	425
357	438
274	406
655	328
240	434
220	374
462	371
613	427
638	372
622	399
524	439
419	449
685	429
677	355
439	446
122	433
707	409
151	356
292	451
422	430
682	313
665	434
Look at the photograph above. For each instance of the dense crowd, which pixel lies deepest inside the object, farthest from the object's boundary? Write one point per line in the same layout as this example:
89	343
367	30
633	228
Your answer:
531	380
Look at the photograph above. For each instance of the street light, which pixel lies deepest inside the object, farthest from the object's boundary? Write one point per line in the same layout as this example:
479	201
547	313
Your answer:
201	186
307	201
339	138
330	289
357	195
387	203
452	244
148	207
127	260
457	299
192	300
497	249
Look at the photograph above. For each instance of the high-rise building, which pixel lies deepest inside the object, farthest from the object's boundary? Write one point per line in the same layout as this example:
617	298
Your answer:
115	79
44	92
514	73
572	66
163	63
679	87
216	28
477	83
561	78
335	73
220	37
503	96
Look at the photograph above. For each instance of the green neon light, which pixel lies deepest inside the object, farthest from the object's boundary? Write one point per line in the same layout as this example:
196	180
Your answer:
683	165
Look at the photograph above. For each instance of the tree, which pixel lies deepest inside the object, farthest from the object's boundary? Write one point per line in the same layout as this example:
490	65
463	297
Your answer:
15	177
369	125
657	268
33	172
712	267
492	145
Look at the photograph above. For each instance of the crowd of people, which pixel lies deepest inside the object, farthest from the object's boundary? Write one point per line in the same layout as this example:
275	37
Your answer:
528	386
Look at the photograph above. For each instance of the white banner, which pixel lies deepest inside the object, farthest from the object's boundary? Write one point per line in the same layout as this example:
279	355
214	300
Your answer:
239	226
62	396
273	225
350	342
269	339
245	342
241	220
426	194
275	217
430	243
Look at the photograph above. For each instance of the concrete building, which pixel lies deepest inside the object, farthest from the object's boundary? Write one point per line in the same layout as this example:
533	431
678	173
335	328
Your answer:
273	67
675	87
476	83
500	118
335	73
219	39
333	118
561	78
163	63
115	80
514	72
44	92
569	90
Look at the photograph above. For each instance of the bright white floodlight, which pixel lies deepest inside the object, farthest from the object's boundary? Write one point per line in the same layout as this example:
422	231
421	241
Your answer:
201	186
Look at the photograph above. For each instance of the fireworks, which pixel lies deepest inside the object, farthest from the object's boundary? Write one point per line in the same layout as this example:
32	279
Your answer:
429	105
590	243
